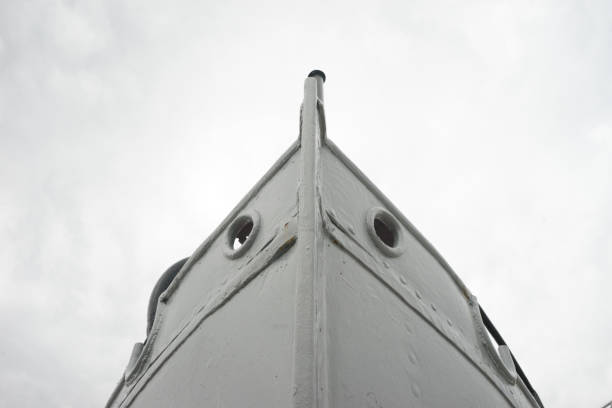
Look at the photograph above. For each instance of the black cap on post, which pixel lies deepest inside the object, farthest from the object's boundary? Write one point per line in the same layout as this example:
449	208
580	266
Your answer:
317	73
320	77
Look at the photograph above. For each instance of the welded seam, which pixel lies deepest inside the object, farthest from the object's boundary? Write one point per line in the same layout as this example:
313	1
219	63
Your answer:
284	240
203	248
336	223
420	309
335	150
320	297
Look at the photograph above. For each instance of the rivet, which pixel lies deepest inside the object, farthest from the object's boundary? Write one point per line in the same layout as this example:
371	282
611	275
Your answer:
402	280
418	294
434	307
412	358
416	390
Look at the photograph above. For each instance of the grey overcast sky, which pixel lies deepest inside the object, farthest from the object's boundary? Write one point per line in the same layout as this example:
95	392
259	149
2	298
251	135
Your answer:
128	130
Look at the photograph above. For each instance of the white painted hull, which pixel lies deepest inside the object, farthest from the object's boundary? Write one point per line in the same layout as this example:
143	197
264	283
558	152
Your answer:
317	311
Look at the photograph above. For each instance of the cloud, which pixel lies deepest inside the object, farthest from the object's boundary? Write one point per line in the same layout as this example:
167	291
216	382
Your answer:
129	130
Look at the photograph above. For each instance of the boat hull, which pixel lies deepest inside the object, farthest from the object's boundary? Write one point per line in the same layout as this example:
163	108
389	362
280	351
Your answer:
334	300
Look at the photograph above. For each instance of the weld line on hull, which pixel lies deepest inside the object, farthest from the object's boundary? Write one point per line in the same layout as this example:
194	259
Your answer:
397	213
391	287
282	242
201	250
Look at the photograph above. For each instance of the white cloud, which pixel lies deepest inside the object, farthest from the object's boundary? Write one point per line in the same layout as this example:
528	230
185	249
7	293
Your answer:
486	123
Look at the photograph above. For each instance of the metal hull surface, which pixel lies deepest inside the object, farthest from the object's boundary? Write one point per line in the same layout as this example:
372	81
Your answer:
322	307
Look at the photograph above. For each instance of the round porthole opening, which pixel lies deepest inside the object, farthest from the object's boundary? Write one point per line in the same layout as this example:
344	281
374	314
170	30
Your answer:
385	230
241	234
386	233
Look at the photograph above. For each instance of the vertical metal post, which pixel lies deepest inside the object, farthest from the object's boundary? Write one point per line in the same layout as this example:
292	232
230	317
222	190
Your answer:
304	369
